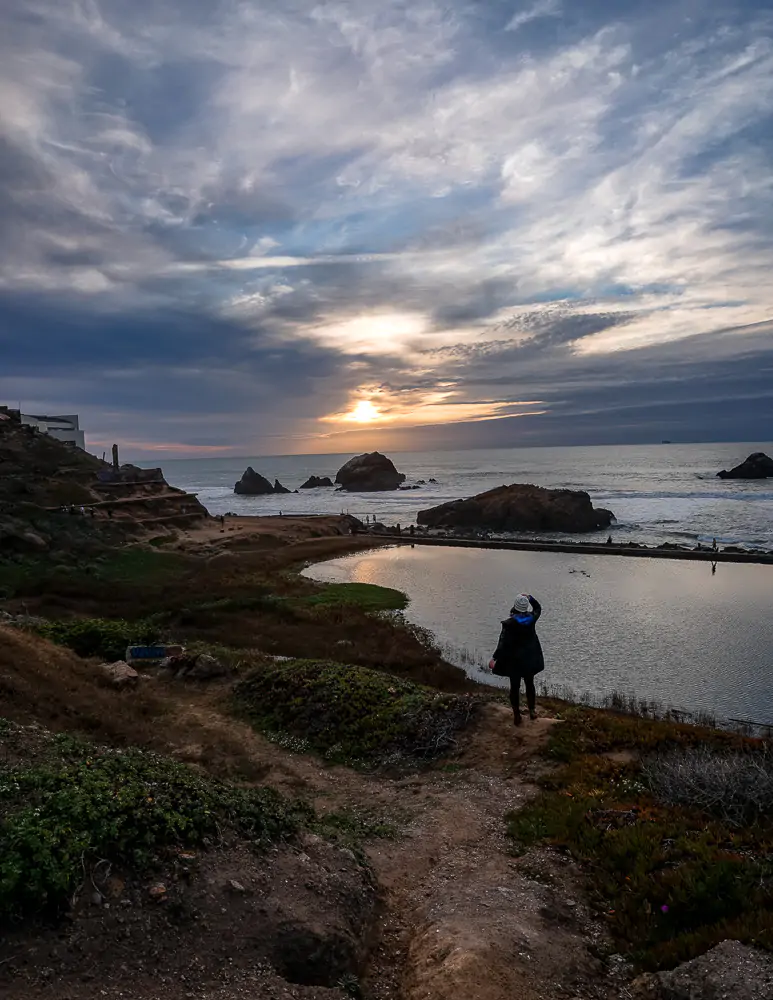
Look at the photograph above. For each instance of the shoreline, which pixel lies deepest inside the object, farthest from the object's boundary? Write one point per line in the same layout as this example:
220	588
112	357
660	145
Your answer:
584	548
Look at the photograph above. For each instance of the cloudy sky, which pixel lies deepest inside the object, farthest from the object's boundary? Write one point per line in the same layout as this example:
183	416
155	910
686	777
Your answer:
253	226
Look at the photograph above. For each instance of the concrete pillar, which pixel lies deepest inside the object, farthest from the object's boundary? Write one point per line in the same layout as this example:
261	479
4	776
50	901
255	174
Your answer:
115	457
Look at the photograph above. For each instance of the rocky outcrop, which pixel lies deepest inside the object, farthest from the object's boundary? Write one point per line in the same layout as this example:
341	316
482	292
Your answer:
119	674
253	484
316	482
756	466
731	969
194	667
369	474
520	507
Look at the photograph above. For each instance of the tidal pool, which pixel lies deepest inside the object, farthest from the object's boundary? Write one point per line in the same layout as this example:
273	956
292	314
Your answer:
667	631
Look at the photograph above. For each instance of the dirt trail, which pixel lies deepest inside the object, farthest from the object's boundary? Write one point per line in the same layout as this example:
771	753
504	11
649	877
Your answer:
462	917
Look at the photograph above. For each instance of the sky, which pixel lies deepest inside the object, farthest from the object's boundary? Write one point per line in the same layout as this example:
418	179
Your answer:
236	227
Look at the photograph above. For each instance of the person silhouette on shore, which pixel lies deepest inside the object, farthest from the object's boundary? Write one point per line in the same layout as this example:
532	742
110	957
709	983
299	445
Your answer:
519	653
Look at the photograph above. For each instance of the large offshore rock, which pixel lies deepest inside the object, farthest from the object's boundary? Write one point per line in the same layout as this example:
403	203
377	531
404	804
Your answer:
369	473
520	507
252	483
756	466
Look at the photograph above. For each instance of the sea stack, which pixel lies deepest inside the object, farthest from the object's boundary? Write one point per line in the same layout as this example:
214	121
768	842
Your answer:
316	482
369	474
253	484
756	466
520	507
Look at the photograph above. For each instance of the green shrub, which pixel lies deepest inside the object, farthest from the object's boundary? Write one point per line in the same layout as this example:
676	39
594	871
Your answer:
60	817
670	879
352	713
367	596
104	637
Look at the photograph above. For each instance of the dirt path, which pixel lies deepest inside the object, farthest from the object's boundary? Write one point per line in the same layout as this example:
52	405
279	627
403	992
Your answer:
462	917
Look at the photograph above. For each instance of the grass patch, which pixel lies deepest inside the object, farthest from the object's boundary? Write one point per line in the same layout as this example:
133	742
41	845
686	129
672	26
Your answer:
87	572
366	596
671	881
102	637
350	713
80	803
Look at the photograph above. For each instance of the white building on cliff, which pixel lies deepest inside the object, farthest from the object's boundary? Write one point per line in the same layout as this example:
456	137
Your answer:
63	428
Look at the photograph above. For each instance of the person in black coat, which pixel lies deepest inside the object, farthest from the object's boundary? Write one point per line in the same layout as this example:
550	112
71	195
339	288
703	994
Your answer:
519	653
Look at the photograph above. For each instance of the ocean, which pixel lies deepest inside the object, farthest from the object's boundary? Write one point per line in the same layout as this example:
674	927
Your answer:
658	493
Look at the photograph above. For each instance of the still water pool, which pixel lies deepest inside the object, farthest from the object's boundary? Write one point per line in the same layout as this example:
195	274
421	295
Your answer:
662	630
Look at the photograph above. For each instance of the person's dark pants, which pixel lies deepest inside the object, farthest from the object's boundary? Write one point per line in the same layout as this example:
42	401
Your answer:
515	691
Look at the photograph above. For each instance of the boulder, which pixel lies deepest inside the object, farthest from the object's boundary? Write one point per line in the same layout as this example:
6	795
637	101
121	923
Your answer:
316	482
253	484
120	674
207	668
756	466
731	969
278	488
520	507
369	473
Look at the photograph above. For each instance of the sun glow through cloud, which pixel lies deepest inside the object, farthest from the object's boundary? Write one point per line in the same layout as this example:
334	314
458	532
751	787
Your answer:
365	412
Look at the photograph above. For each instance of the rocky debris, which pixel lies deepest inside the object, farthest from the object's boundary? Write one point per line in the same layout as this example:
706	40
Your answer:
731	969
520	507
278	488
21	621
369	473
194	667
757	466
307	910
316	482
16	536
119	674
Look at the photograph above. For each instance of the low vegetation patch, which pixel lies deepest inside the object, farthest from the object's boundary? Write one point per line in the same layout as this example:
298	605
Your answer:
86	572
366	596
80	803
350	713
734	786
672	870
102	637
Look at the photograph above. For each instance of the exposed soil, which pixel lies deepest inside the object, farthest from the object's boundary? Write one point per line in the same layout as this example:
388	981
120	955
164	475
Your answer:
459	916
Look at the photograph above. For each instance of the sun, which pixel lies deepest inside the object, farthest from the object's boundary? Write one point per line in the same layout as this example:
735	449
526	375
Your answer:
365	412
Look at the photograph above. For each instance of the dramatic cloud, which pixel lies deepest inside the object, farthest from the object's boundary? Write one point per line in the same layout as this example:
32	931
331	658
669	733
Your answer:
253	226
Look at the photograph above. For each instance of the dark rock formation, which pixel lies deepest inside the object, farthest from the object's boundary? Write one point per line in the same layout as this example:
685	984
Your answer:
756	466
278	488
316	482
253	484
520	507
731	969
369	473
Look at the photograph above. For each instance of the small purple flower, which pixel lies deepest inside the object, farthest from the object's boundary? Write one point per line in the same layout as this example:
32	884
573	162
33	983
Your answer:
664	908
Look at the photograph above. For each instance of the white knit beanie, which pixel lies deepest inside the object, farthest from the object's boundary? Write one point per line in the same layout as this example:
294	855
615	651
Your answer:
522	604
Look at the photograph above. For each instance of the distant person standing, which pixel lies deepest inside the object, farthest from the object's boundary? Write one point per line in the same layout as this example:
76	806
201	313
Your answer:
519	653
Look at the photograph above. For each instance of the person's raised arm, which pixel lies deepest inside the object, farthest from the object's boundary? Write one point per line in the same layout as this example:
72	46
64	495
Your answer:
536	606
